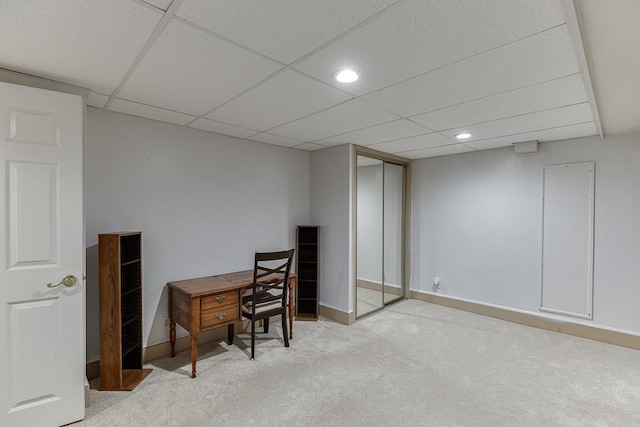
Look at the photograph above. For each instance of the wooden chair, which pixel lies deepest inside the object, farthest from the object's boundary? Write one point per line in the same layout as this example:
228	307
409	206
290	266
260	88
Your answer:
269	292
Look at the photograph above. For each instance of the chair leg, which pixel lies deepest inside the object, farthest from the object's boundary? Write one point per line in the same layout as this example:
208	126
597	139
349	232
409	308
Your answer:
285	334
265	324
253	338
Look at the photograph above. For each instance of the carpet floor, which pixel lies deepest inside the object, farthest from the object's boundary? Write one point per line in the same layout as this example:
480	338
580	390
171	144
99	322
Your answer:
412	364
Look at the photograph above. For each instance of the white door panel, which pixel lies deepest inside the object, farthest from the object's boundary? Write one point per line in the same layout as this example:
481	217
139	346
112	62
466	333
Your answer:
33	208
33	127
41	328
34	356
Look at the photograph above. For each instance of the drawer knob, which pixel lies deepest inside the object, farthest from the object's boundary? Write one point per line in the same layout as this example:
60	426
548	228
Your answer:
222	315
221	298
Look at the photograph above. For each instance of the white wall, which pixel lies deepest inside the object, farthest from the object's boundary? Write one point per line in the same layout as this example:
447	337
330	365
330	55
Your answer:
477	225
204	202
331	199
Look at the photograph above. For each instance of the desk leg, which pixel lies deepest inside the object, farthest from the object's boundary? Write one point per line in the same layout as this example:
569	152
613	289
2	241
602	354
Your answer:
194	354
172	337
172	325
230	334
291	311
292	306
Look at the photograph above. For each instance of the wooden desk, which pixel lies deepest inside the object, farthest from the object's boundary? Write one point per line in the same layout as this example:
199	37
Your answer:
211	302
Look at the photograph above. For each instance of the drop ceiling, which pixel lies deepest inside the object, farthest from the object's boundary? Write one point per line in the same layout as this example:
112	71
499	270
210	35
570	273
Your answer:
505	71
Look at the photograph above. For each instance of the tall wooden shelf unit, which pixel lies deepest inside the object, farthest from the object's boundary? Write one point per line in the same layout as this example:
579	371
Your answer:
308	270
120	278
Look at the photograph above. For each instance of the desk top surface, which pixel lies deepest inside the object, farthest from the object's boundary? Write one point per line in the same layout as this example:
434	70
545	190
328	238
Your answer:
219	283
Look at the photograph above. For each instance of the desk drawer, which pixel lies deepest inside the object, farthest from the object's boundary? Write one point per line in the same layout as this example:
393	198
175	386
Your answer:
218	316
219	300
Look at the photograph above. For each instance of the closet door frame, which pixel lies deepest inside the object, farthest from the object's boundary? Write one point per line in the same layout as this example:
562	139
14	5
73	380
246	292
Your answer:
406	216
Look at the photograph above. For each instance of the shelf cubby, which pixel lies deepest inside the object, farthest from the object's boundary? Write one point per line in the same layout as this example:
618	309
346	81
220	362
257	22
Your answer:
308	270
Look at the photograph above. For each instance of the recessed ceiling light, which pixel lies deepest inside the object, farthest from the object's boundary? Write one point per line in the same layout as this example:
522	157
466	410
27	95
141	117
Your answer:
463	135
346	76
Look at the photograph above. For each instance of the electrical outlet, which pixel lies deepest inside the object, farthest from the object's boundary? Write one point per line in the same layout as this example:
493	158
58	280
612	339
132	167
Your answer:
165	322
436	283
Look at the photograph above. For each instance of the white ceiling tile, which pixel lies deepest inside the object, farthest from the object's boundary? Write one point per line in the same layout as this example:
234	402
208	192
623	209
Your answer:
274	139
284	98
133	108
437	151
97	100
222	128
613	34
282	29
421	36
309	146
85	43
348	116
555	134
562	116
380	133
555	93
545	56
162	4
567	132
413	143
190	71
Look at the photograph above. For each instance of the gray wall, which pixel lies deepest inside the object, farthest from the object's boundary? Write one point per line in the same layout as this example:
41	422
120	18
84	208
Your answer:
204	202
477	226
331	197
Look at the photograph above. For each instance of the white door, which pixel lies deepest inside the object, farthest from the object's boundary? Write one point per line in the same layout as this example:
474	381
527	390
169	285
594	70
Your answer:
41	328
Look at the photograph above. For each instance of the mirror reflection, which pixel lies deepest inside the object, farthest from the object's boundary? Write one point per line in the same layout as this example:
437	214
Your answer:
392	244
369	232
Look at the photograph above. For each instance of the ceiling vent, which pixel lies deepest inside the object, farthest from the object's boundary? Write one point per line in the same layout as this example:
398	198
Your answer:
527	147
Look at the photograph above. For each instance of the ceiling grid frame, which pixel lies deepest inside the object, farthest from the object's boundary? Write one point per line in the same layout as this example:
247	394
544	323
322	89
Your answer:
164	21
376	114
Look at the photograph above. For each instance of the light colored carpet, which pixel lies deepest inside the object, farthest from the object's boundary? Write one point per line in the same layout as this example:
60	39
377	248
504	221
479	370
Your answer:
369	300
412	364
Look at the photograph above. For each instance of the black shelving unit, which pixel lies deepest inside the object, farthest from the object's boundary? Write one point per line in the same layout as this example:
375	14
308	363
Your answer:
308	270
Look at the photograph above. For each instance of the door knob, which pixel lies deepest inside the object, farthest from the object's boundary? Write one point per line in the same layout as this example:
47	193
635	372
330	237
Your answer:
67	281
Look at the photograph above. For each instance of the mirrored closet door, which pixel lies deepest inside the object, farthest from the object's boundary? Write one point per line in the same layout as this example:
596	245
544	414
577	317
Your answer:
379	233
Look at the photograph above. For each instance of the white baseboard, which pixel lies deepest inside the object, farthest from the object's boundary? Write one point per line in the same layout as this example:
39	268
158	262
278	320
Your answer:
536	320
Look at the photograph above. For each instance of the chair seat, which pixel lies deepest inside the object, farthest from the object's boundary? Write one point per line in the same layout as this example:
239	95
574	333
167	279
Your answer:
261	308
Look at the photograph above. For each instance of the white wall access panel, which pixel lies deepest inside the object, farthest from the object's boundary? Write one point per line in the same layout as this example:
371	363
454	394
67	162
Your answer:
567	239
